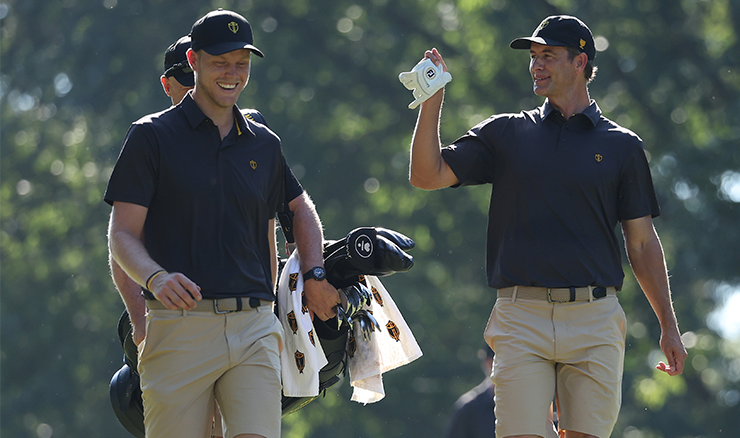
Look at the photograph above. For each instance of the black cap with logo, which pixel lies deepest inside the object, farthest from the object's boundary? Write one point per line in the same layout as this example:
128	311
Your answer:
560	30
176	62
221	31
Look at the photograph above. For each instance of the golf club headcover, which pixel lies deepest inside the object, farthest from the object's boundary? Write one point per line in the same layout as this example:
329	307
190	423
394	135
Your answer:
367	251
424	80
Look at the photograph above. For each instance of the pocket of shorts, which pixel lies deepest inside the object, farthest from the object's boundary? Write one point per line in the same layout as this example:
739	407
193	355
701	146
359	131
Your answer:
141	348
150	338
622	321
488	332
280	334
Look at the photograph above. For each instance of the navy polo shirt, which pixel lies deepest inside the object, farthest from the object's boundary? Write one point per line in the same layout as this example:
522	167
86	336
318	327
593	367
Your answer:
209	201
559	188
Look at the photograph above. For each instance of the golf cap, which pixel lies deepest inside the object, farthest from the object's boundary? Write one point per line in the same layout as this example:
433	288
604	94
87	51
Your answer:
221	31
560	30
176	62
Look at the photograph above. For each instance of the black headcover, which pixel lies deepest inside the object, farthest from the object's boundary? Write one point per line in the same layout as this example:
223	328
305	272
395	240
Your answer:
125	392
125	397
367	251
126	337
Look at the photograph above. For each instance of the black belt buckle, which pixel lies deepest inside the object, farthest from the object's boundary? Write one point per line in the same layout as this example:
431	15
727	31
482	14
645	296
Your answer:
254	302
599	292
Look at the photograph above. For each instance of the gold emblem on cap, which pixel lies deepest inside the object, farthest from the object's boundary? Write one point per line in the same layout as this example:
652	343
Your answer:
598	158
234	27
253	164
583	44
543	24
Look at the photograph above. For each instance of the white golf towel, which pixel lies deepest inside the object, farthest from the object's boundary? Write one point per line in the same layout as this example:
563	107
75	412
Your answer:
302	356
391	347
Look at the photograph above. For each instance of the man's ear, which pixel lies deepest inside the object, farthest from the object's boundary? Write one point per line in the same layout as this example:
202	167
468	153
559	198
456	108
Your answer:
581	61
165	85
192	58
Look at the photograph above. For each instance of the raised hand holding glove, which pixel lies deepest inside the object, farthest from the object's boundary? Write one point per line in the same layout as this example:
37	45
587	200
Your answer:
424	80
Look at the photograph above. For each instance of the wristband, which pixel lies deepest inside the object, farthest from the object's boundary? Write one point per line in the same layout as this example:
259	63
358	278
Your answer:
148	283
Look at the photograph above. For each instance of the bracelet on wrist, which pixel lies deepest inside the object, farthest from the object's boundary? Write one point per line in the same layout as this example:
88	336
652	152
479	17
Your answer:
151	278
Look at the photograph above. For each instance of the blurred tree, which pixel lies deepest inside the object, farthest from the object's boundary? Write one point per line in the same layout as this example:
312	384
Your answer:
76	73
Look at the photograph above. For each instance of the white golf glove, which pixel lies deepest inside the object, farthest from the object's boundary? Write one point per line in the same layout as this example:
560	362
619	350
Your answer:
424	80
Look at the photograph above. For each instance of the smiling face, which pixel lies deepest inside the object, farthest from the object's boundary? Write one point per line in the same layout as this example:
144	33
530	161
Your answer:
219	79
554	72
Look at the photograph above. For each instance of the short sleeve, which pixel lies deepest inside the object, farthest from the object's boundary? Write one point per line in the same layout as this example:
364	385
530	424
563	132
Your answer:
636	192
135	174
470	158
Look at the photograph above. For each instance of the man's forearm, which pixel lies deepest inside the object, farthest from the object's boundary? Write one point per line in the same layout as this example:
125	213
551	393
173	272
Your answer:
426	160
309	235
132	298
648	265
125	241
129	290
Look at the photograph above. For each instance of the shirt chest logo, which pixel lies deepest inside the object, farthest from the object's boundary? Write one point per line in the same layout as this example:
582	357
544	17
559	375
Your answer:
253	164
598	158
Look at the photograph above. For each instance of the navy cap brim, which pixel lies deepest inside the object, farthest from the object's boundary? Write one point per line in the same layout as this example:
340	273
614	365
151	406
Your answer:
525	43
185	79
230	46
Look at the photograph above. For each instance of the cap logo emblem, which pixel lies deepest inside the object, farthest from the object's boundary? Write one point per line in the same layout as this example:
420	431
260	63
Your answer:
543	24
253	164
583	44
598	158
234	27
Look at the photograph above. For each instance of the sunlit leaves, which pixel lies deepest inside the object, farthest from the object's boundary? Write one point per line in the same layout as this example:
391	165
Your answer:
719	33
654	391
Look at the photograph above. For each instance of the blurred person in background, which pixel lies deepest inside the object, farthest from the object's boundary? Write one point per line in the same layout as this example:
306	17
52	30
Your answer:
472	415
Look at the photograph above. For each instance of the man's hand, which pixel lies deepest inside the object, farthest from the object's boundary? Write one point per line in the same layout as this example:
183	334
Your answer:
175	291
674	350
321	299
426	78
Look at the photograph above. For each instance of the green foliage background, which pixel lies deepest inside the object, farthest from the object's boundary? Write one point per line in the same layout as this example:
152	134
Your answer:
76	73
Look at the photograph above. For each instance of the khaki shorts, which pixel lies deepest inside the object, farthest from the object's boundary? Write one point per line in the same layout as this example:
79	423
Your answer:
188	360
572	351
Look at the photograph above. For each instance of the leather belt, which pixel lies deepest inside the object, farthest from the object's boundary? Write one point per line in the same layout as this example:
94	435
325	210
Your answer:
557	295
220	305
